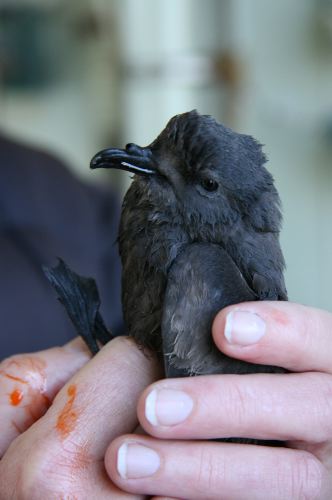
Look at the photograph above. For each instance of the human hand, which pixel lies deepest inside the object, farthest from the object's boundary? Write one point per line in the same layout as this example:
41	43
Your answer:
293	407
29	383
61	455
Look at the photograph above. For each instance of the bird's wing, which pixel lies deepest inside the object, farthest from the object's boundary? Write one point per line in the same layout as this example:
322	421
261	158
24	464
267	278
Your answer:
202	280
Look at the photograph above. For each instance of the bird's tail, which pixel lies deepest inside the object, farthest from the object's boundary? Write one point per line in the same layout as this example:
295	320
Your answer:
79	296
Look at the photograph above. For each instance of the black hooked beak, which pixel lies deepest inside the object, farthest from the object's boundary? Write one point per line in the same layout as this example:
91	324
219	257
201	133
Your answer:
133	159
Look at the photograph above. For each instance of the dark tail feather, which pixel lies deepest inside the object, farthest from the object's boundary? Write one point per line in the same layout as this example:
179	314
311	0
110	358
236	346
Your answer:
80	297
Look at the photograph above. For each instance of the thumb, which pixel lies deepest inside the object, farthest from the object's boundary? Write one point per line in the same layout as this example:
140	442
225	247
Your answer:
29	383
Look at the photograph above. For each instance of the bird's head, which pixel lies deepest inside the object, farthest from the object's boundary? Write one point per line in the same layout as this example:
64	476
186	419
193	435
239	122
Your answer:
199	168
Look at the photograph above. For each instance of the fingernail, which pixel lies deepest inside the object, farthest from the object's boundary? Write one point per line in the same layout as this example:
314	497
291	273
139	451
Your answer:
167	407
135	461
244	327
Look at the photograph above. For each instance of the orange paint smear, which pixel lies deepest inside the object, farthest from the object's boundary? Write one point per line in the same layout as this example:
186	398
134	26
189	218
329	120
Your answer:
68	417
28	376
16	379
16	397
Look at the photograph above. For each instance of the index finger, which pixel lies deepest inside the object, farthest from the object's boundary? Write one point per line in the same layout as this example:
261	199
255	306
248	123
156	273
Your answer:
285	334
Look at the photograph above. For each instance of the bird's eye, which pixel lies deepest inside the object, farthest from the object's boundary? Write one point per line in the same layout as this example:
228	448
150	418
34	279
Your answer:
209	184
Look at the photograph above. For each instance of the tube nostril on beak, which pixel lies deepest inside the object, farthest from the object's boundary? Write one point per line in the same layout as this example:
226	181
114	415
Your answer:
133	149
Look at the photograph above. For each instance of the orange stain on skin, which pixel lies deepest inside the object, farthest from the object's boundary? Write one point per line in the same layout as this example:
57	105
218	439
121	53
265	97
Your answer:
68	416
16	379
25	379
15	397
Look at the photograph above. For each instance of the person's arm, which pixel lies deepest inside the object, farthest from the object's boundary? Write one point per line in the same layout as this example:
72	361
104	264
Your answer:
183	414
62	454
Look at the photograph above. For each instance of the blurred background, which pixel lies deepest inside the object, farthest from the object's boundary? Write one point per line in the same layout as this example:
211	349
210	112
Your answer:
82	75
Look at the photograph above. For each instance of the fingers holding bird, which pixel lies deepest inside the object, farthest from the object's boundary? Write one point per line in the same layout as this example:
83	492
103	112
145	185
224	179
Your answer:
255	406
207	470
295	408
293	336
